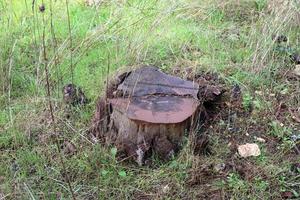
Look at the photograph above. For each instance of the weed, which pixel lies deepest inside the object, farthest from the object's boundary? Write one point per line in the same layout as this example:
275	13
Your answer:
235	183
279	130
247	101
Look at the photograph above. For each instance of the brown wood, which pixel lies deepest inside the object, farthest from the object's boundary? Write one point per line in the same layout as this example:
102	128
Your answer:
149	112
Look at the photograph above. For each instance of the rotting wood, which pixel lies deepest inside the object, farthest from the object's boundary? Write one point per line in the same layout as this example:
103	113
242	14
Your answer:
148	111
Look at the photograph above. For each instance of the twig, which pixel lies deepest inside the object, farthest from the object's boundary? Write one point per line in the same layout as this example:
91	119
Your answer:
69	125
71	42
126	158
51	108
55	47
10	81
28	190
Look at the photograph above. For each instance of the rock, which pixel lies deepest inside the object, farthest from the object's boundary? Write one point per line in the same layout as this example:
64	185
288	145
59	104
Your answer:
259	139
248	150
296	71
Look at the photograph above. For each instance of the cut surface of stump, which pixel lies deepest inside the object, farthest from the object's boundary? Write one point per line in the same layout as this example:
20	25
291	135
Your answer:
156	109
150	113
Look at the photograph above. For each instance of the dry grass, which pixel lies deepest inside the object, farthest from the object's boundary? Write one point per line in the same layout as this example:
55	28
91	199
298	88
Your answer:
283	19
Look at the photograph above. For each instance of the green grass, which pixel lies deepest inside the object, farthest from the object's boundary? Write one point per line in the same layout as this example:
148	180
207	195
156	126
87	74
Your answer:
231	39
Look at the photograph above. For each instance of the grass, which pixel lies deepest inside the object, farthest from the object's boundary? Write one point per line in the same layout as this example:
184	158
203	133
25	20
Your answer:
232	38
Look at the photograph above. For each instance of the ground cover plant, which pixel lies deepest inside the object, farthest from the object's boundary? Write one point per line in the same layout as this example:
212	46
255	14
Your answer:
249	47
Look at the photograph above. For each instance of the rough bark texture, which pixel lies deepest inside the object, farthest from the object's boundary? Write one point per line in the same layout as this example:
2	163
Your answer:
133	136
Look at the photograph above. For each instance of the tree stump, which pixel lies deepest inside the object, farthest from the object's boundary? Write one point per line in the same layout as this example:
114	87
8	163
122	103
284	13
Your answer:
149	112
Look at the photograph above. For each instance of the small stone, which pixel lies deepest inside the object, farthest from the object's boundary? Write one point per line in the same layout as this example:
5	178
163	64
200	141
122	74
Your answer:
166	189
259	139
248	150
281	124
272	95
296	71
